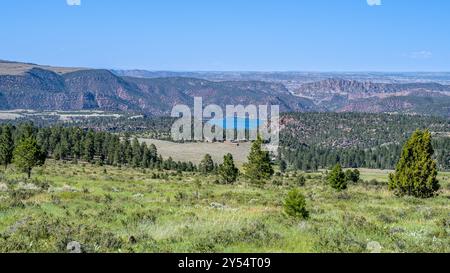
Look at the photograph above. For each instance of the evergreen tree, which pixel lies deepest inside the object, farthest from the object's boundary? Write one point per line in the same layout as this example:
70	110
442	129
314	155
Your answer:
99	139
153	153
207	165
416	171
128	151
25	130
89	146
228	170
336	178
77	136
259	166
352	176
146	158
6	146
43	139
283	166
137	153
28	155
295	205
62	150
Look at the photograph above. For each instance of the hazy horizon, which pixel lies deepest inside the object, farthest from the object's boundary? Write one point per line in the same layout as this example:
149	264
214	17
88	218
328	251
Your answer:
234	71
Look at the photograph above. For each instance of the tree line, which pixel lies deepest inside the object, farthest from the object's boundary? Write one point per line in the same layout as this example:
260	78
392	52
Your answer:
74	144
311	158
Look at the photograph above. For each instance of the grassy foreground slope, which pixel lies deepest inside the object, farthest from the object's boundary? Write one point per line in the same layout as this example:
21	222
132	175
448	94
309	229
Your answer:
109	209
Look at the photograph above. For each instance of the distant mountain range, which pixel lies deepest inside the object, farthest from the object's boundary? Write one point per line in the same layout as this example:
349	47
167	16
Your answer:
341	95
289	78
31	86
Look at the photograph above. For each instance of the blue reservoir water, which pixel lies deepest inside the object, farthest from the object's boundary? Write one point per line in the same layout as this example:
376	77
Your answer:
237	123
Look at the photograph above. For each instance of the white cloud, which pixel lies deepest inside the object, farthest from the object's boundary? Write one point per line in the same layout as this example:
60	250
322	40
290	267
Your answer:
420	55
374	2
73	2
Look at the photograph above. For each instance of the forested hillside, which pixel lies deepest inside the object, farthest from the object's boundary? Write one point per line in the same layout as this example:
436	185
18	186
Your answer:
317	140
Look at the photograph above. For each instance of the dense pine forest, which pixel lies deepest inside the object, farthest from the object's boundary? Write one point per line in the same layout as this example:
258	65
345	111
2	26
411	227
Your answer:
154	127
319	140
310	158
101	148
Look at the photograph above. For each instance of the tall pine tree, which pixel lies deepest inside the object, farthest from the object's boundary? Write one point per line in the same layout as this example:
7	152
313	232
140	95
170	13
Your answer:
89	146
228	171
416	171
259	166
337	179
207	164
6	146
28	155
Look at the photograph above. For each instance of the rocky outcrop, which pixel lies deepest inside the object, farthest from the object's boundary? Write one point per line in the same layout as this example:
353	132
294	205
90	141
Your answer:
326	89
340	95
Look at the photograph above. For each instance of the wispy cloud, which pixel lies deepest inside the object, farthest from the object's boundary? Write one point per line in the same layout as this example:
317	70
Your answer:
420	55
73	2
374	2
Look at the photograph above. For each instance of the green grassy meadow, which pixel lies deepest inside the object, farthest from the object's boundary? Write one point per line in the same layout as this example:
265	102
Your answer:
110	209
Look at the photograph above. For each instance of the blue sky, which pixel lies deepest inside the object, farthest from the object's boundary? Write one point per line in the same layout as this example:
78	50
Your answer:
251	35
